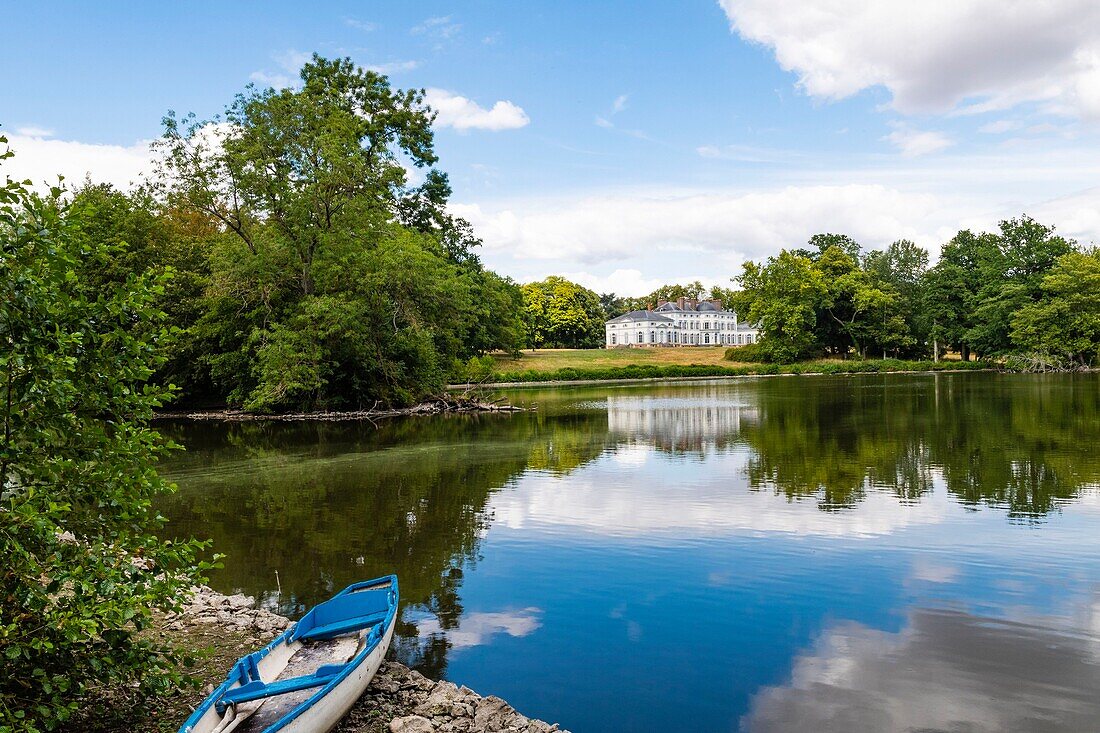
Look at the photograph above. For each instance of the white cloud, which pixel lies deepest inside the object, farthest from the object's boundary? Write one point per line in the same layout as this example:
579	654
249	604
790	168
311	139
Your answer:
33	131
363	25
1076	215
629	282
617	105
609	227
936	56
41	160
746	153
290	61
912	143
441	27
276	81
999	127
456	111
393	67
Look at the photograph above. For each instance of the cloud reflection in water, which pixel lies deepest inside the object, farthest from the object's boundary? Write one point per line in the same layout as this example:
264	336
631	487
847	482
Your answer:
945	671
477	628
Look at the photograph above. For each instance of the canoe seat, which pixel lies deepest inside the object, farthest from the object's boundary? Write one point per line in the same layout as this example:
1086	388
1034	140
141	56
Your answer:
343	614
256	689
336	628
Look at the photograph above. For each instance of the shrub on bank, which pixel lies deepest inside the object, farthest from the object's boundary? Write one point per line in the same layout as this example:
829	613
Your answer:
748	353
84	566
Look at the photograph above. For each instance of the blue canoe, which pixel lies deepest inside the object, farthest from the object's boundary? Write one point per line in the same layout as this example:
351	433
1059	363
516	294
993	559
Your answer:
309	677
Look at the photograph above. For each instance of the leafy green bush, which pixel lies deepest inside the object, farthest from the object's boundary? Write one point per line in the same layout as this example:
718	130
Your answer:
476	369
82	573
746	353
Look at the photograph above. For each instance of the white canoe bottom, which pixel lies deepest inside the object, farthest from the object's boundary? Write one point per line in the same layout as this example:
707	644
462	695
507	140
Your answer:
299	659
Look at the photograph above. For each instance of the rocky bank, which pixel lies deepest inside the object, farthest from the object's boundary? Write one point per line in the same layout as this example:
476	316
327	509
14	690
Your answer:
399	699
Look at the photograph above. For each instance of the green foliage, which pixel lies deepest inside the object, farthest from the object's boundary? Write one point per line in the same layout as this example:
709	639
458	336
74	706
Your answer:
476	369
783	297
989	294
900	268
675	371
83	572
746	353
1065	321
560	314
982	281
326	280
614	306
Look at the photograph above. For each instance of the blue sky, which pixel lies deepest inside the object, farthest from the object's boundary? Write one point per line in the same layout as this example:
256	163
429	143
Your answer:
626	144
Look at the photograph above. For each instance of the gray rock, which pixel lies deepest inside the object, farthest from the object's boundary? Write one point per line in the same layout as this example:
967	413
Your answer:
409	701
411	724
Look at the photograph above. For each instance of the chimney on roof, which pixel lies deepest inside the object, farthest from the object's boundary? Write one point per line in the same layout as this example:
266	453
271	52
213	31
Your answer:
693	304
717	303
661	301
680	303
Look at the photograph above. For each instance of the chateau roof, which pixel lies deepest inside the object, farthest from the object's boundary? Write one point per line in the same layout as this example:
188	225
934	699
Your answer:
645	315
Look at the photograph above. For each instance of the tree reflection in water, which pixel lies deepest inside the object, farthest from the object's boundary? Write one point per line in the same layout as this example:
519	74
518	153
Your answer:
325	504
322	504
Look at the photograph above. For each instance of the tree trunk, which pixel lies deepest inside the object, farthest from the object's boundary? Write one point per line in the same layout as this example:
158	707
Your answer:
965	352
935	350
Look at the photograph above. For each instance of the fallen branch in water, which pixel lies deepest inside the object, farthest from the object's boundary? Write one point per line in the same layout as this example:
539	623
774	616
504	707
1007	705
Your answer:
439	405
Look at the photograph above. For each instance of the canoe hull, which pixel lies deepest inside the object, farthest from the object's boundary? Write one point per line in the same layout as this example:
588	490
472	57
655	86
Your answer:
324	714
308	678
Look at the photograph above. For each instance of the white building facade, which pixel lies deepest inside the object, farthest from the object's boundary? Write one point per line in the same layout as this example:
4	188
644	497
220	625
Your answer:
685	322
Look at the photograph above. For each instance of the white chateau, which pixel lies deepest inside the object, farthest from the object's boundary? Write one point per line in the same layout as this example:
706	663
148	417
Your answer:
685	322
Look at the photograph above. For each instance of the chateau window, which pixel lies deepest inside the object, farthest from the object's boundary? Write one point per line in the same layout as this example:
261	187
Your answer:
706	338
652	337
641	337
748	338
612	339
738	339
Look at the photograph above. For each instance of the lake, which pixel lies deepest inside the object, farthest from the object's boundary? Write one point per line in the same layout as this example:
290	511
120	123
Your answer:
867	553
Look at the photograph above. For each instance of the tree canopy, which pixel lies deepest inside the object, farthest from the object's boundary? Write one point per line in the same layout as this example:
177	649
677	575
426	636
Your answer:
559	314
1021	289
325	280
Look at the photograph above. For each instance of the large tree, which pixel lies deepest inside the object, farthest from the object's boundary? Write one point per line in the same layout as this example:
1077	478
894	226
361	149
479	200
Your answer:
783	298
562	314
901	268
332	281
1012	268
1065	322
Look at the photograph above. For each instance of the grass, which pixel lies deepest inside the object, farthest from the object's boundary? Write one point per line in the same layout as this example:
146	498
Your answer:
548	360
562	365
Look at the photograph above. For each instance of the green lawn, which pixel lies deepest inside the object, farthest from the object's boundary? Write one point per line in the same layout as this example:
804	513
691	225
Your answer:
549	360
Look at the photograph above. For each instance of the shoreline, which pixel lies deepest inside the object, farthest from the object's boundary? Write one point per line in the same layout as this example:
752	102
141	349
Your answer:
398	700
430	407
705	378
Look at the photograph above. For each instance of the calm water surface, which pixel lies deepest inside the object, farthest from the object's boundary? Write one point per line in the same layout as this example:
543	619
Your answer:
874	553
